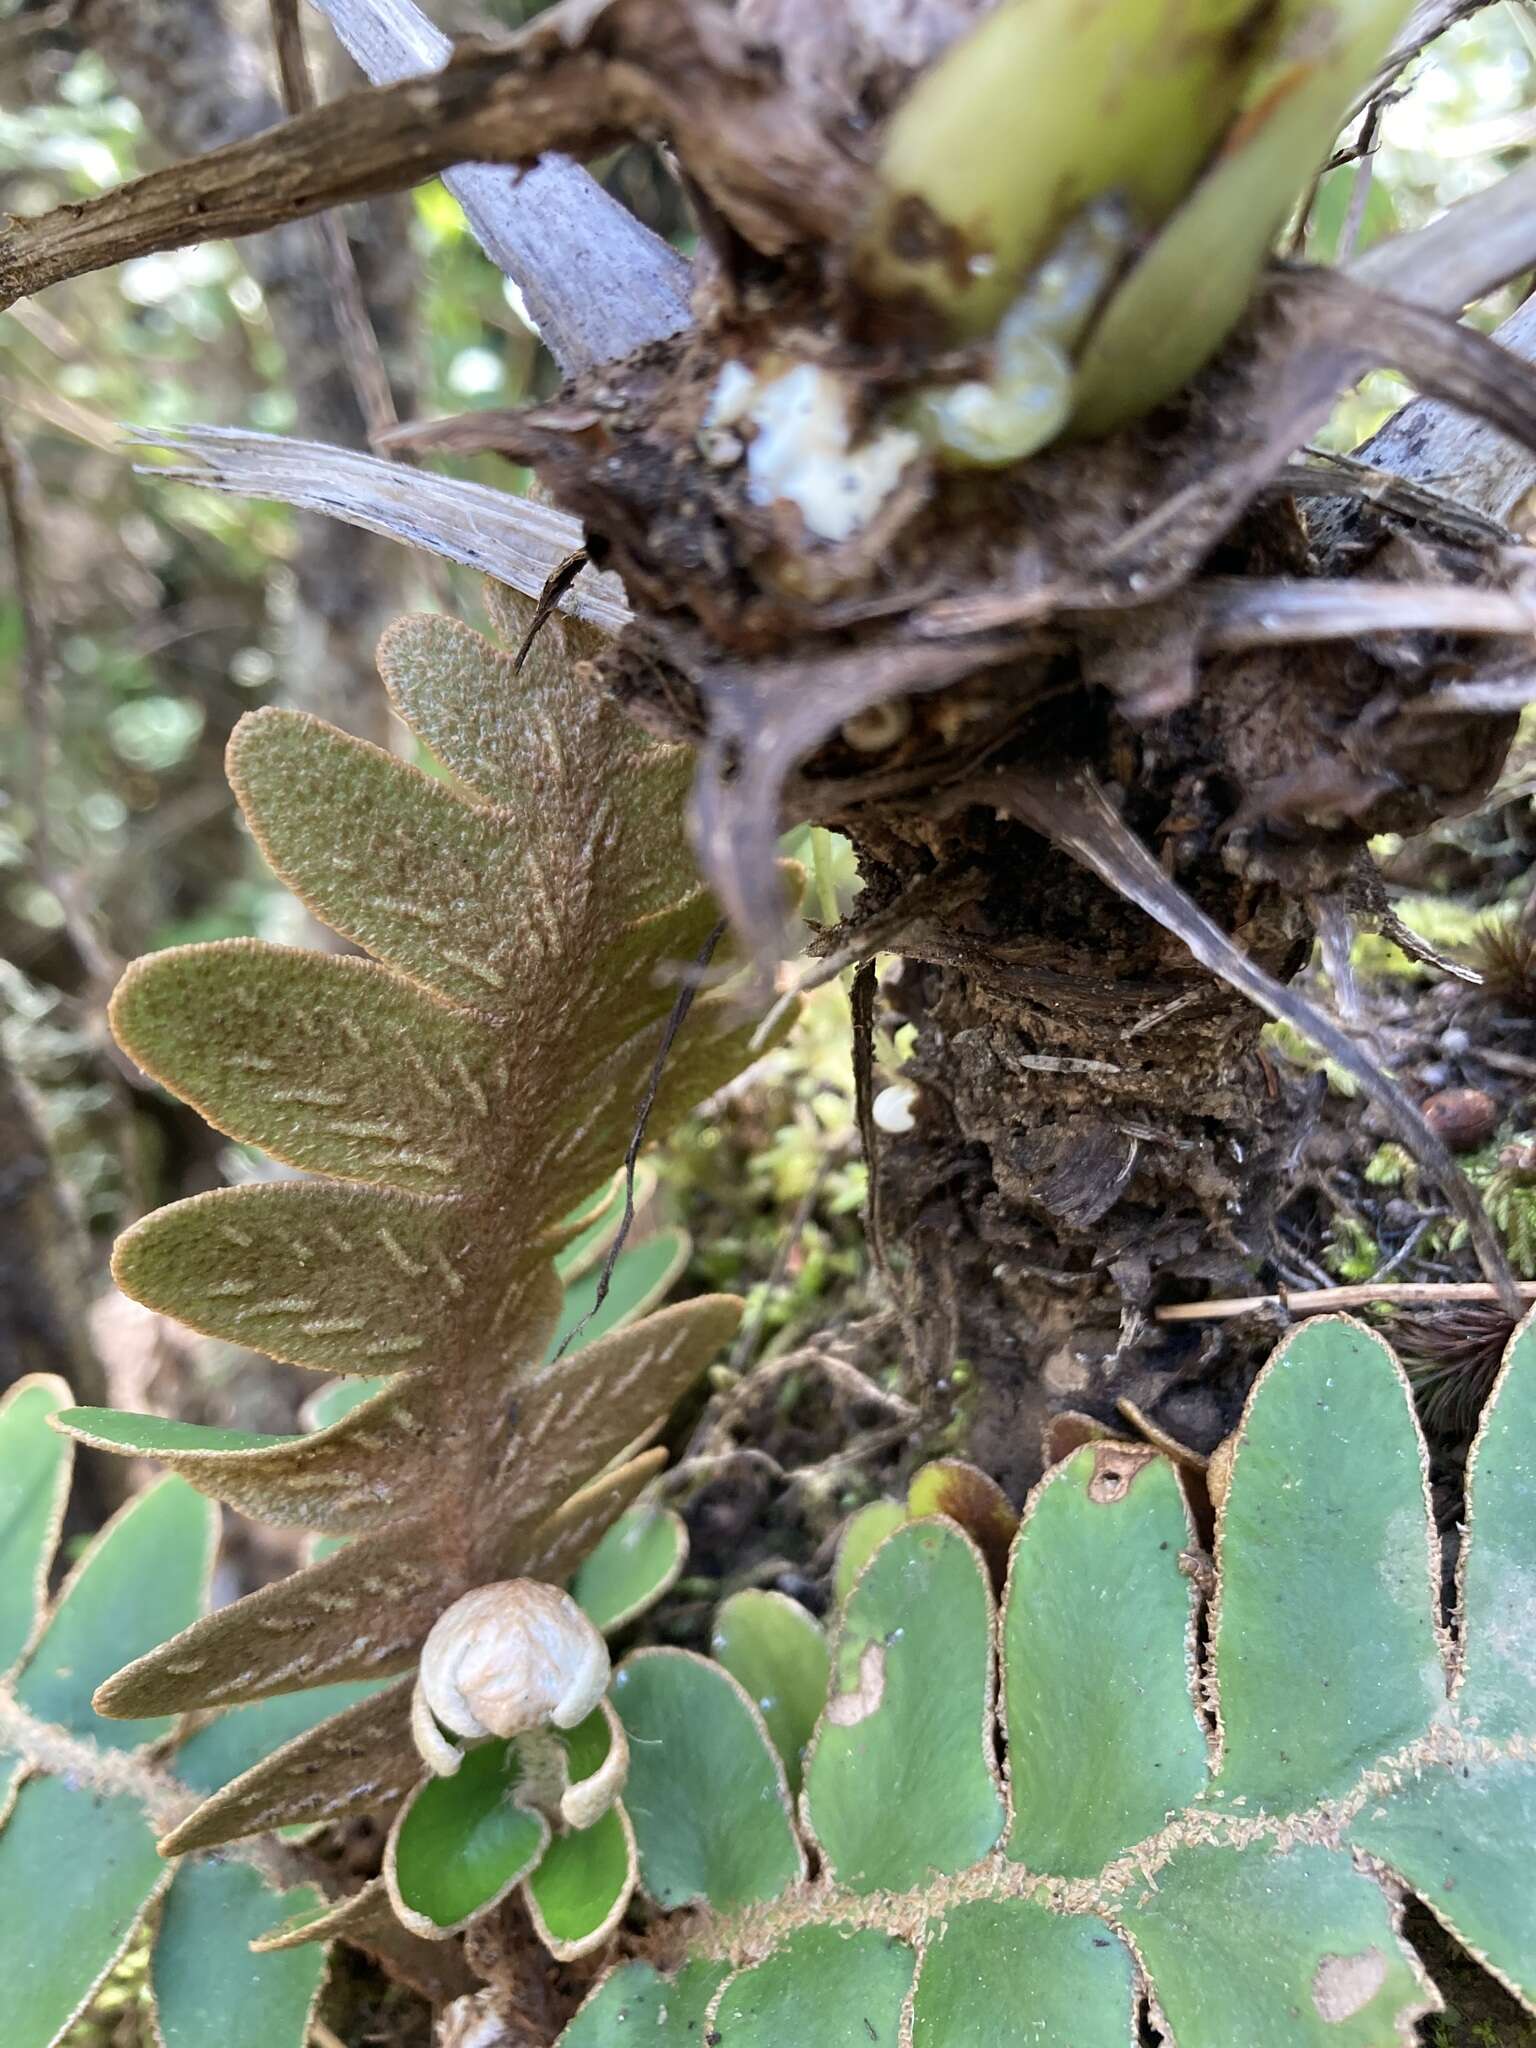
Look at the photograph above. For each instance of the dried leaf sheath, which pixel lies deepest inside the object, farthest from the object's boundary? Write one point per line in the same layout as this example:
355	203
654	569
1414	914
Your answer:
460	1091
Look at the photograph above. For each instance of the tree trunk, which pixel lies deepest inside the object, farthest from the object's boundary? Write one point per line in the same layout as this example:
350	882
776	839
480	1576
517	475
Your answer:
198	85
45	1288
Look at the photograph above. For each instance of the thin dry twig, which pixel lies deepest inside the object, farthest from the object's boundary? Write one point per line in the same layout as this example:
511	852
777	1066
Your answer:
556	584
1078	817
1310	1301
359	342
861	1011
655	69
1328	474
1365	168
1425	25
676	1019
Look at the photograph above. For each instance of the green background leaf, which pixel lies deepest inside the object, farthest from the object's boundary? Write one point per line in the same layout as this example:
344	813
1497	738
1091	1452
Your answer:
1461	1833
822	1985
1498	1576
144	1577
706	1791
900	1782
642	1273
1098	1654
77	1869
208	1987
1461	1838
34	1482
630	1569
582	1882
636	2003
1273	1950
1007	1965
778	1653
863	1534
1325	1651
146	1436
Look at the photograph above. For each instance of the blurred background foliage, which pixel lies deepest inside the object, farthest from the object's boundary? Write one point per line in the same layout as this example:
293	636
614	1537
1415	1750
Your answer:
171	611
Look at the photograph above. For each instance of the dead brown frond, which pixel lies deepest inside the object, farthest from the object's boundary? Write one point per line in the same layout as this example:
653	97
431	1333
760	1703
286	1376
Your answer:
1503	950
1452	1356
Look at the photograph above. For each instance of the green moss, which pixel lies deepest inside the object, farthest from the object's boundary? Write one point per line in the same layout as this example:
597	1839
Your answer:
1509	1196
1298	1051
1392	1166
1353	1253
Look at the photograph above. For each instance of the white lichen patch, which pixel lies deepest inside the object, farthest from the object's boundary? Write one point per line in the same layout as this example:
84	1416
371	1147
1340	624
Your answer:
801	448
848	1709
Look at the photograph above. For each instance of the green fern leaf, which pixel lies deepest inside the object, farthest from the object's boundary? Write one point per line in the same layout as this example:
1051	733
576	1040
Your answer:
83	1883
1220	1812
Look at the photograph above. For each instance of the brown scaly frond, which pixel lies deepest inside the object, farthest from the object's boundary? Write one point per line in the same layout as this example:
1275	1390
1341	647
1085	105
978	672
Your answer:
458	1093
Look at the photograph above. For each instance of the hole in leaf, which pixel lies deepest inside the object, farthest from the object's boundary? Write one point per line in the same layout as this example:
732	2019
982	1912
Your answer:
1342	1985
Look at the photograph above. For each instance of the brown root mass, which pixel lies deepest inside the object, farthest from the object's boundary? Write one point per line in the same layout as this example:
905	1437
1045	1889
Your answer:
1098	1129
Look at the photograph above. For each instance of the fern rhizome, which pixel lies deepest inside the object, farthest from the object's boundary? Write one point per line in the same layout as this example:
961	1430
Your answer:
455	1095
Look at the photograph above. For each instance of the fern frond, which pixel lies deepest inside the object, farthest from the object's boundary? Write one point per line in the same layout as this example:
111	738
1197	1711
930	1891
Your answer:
459	1092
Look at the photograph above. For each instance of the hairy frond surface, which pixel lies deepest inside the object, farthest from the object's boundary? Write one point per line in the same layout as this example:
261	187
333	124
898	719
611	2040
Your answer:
454	1095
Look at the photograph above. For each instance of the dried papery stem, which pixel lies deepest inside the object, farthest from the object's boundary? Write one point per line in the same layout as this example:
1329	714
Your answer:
1258	612
1079	818
1330	475
1310	1301
1360	188
861	1008
596	282
1472	248
1429	440
1492	693
1450	361
516	540
660	69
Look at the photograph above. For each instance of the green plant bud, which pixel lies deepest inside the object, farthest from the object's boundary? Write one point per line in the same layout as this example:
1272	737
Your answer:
1190	288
